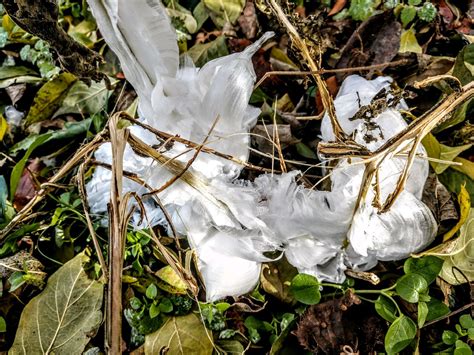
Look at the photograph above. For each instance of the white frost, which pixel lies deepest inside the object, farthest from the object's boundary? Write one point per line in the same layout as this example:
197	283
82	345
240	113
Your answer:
231	224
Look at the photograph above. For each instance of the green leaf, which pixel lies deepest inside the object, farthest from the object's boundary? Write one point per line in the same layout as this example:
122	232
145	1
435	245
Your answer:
201	14
180	335
70	130
151	291
400	334
10	75
361	10
449	337
19	167
84	99
165	305
436	309
409	287
3	325
440	151
463	67
305	151
458	257
154	310
414	2
224	11
61	319
203	53
462	348
231	347
427	12
386	308
453	180
305	289
427	266
466	321
407	15
422	313
49	98
409	43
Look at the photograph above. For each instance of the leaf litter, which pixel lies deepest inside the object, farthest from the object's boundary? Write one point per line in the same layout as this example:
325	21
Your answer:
192	177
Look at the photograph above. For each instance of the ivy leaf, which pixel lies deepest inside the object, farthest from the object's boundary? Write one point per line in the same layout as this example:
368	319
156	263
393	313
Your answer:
436	309
407	15
422	313
411	286
409	43
305	289
203	53
449	337
427	266
386	309
61	319
180	335
400	334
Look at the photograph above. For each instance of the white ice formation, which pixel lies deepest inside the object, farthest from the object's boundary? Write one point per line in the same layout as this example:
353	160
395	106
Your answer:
231	223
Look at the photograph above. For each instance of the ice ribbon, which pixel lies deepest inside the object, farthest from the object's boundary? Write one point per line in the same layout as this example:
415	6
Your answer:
229	223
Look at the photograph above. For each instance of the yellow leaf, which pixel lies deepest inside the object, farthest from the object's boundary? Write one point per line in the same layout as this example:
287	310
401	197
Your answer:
408	42
3	127
467	167
464	200
49	98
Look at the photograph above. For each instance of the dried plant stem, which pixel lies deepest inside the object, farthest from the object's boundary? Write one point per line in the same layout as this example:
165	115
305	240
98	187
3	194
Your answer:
329	71
85	204
305	52
44	188
118	222
409	138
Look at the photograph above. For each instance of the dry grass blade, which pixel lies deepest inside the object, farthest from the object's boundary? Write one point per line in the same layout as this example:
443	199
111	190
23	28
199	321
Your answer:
85	204
118	220
44	188
409	138
299	43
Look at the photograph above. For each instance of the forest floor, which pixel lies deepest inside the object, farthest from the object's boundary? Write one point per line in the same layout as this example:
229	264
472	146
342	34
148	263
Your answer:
56	107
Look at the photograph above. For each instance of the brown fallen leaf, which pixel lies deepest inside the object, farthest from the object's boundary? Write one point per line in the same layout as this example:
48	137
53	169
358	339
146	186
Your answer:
338	6
16	92
336	325
248	21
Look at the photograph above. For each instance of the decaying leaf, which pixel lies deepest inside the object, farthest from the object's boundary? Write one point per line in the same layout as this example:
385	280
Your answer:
329	326
276	278
464	205
409	43
203	53
49	98
84	99
64	316
224	11
180	335
458	264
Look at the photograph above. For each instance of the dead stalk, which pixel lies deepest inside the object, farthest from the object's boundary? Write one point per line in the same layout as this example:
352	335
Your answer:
117	230
45	188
